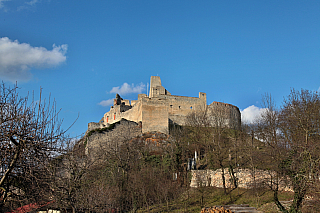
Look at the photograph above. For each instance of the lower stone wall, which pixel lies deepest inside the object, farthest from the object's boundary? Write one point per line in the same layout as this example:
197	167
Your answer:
246	178
100	142
94	125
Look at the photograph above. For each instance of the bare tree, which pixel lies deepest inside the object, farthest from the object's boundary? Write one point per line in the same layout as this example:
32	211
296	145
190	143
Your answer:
210	129
268	131
300	127
69	171
223	146
197	132
292	136
30	137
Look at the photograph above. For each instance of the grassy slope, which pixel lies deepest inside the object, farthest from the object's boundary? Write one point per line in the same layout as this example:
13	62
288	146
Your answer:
191	202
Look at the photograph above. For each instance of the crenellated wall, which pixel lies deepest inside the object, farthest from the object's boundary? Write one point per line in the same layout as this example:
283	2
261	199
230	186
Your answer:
160	108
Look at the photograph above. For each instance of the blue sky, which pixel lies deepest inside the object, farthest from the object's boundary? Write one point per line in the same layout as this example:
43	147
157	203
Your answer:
235	51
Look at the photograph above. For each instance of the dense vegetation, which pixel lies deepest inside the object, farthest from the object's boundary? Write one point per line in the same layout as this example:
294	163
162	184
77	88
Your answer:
131	175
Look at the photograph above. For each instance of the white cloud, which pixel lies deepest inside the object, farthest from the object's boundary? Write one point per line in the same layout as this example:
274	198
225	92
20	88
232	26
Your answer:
251	113
122	90
23	5
108	102
16	59
126	89
1	3
32	2
28	4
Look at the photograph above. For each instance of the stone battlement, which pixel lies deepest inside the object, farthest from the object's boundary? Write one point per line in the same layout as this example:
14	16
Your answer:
160	108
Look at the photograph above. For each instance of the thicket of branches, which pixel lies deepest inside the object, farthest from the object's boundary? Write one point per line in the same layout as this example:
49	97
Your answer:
292	135
284	141
30	137
124	175
39	165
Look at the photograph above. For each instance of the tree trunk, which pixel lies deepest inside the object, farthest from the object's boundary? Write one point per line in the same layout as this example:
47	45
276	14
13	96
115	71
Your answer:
223	179
233	177
276	200
12	164
297	200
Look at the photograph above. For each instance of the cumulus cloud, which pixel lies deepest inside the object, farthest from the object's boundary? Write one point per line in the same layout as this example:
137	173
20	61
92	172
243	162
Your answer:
108	102
16	59
127	88
123	90
251	113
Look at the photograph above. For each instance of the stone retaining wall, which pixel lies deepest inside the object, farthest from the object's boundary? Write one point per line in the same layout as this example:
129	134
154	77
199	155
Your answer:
246	178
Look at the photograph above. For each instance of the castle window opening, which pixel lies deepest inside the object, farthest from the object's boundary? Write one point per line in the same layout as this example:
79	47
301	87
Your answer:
179	107
191	107
170	106
107	119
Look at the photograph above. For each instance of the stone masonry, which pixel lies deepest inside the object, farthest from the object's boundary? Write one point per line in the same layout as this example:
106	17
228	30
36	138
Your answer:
98	142
246	178
160	108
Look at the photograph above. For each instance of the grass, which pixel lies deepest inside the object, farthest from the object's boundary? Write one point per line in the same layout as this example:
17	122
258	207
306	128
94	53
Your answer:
194	199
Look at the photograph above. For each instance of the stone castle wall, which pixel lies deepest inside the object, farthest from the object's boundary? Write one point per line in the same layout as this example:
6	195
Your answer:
98	142
94	125
154	115
134	114
160	108
223	114
179	107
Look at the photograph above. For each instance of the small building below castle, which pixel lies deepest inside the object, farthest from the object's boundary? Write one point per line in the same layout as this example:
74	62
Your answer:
159	109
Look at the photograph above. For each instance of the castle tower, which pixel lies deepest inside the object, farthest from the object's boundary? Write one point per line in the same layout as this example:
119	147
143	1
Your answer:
155	81
156	88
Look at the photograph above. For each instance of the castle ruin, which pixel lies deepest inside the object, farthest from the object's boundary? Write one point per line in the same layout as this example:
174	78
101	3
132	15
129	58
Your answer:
160	109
